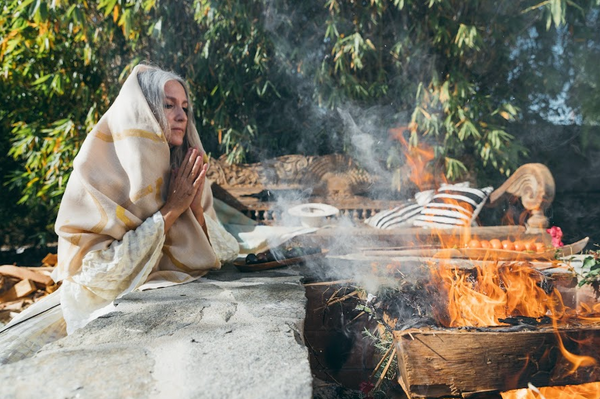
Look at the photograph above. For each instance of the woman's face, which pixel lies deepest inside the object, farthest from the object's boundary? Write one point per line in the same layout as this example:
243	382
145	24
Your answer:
176	107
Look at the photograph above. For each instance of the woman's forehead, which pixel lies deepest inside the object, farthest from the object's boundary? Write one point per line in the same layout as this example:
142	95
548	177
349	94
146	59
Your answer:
175	90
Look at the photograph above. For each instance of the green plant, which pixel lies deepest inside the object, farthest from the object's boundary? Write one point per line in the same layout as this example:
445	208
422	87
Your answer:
589	274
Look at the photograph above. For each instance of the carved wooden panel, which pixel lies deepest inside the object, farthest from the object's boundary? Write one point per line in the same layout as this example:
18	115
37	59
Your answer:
333	176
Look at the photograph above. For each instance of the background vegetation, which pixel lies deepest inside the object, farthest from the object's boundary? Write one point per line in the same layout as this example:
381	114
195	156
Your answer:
271	77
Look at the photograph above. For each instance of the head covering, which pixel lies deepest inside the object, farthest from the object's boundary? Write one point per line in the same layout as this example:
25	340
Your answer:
120	178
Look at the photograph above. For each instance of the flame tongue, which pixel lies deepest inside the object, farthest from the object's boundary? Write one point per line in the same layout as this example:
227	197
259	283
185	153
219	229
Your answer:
491	293
583	391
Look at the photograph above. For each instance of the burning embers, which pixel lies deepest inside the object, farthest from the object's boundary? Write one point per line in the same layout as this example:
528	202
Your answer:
497	326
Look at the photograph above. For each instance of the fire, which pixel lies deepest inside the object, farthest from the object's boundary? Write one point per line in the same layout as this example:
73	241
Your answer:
492	292
583	391
417	157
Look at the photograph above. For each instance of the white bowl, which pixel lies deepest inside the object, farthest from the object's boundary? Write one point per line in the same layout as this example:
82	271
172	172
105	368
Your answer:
313	214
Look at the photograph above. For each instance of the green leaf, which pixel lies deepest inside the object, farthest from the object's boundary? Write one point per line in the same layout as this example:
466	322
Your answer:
41	79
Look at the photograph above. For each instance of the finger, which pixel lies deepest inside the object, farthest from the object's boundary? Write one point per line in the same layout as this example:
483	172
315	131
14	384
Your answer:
187	164
196	164
196	168
201	176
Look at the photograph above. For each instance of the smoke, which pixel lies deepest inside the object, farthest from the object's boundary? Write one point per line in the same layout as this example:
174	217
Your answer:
366	137
297	31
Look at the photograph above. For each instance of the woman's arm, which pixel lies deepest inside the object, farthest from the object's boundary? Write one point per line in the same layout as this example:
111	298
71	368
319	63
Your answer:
112	272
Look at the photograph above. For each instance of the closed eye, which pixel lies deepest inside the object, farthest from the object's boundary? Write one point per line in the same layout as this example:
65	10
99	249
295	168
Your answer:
168	106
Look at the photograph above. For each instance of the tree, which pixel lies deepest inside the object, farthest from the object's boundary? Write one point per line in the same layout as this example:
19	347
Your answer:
276	77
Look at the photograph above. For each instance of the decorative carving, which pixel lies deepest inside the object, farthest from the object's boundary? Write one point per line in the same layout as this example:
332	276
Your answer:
230	175
534	184
334	176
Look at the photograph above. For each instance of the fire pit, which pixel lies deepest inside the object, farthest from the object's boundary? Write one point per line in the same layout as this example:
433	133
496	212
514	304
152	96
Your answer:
472	322
440	363
462	328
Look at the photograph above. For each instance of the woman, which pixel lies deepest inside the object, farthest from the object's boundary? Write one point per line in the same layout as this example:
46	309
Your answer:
137	212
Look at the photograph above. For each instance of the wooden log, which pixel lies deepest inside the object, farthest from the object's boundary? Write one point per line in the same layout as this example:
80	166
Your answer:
19	290
50	259
26	273
440	363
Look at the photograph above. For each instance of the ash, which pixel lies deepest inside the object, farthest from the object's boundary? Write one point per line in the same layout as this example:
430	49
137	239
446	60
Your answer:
410	303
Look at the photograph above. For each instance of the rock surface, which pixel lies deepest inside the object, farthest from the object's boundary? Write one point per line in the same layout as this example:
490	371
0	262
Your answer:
228	335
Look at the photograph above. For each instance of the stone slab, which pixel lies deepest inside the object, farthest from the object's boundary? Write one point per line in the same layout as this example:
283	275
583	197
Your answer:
228	335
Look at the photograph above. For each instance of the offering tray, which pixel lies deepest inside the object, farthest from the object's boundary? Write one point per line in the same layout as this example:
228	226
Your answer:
478	253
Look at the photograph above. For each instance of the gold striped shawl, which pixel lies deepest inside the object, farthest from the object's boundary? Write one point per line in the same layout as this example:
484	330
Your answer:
119	179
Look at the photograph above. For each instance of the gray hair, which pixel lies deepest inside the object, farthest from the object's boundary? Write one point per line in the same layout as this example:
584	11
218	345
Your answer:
152	81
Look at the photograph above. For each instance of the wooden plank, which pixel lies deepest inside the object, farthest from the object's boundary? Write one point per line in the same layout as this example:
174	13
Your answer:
414	236
19	290
437	363
26	273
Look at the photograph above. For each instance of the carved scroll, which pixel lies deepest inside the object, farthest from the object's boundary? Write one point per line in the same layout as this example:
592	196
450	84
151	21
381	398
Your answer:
534	184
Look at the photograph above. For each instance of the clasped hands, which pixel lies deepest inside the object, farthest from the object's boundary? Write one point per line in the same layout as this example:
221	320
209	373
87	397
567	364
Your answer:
185	189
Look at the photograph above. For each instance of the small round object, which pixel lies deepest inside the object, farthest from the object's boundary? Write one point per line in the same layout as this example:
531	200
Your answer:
474	244
519	246
496	243
485	244
530	246
540	247
508	245
251	258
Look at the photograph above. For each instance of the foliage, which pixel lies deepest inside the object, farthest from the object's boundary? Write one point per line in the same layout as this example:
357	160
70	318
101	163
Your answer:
590	270
62	64
276	77
447	61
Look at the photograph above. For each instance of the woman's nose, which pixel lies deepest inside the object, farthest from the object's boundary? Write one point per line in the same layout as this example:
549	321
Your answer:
181	115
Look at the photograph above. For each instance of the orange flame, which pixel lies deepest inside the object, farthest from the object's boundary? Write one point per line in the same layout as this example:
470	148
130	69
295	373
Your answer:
493	292
576	360
417	157
583	391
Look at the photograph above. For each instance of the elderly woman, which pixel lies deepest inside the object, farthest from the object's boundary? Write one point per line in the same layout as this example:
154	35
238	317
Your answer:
137	212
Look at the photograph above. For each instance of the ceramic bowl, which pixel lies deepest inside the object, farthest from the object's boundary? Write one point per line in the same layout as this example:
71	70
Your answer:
314	214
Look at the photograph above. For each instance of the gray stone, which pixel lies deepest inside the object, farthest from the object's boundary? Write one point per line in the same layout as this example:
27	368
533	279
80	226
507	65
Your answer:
228	335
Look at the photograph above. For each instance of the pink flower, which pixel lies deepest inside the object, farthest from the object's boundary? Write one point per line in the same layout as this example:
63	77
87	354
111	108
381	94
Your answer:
556	234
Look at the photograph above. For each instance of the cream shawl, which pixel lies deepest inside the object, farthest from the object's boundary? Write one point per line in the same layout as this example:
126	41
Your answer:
119	179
